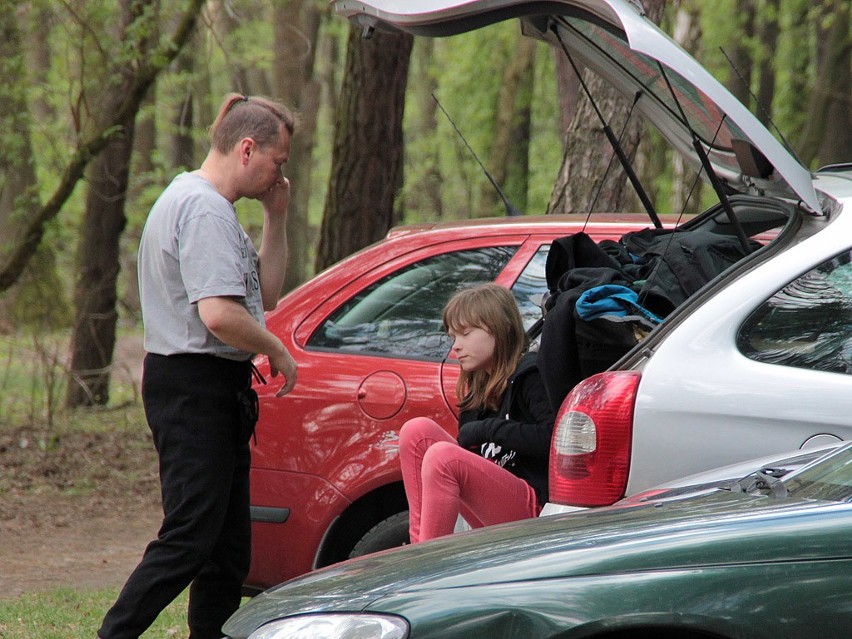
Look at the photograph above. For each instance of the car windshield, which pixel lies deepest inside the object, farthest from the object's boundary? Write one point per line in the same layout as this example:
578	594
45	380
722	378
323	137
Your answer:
830	480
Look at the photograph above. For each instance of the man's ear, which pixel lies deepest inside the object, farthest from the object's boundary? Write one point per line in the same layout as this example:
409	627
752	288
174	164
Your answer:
247	147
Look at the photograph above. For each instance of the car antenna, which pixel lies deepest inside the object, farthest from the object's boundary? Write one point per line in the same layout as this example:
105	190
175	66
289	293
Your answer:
705	162
511	210
616	145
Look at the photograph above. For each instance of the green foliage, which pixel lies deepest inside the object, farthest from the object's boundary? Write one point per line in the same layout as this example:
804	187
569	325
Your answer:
792	59
38	303
469	95
546	144
466	71
794	80
72	613
233	50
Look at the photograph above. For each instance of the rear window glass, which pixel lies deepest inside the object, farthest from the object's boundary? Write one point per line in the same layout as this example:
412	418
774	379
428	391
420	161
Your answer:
530	287
704	116
830	480
807	324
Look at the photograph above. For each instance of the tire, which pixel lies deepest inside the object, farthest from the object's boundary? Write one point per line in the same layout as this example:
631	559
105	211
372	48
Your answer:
388	533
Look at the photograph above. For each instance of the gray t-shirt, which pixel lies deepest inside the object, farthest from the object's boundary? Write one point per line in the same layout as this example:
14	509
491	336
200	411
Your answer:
193	247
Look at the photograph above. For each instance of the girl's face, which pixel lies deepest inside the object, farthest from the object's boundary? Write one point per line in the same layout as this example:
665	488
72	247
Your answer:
474	347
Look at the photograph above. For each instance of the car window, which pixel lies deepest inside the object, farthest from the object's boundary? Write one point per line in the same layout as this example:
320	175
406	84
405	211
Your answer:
400	314
530	287
808	324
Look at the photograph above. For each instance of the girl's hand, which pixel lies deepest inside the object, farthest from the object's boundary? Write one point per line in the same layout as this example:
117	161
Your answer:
470	435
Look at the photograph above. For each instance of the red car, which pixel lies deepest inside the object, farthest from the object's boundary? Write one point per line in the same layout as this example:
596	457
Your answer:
367	336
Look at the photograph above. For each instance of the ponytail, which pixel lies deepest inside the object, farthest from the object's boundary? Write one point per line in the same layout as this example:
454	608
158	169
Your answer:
241	117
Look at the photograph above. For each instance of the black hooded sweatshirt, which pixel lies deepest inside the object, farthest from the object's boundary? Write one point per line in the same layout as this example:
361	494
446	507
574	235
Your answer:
517	436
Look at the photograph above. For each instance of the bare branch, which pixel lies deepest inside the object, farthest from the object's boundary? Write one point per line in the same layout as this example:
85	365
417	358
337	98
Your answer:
140	81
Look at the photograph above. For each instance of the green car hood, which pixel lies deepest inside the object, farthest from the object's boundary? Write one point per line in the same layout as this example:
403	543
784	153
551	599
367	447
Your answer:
721	529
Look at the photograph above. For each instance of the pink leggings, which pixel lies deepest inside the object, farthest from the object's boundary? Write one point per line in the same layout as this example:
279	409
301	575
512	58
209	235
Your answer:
443	480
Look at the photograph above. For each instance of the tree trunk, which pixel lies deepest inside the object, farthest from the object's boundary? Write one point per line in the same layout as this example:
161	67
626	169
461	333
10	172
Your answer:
837	139
95	291
145	142
17	165
367	159
142	171
742	59
769	45
182	143
510	148
798	66
568	92
583	183
296	28
686	190
206	103
18	191
330	53
40	19
827	137
830	81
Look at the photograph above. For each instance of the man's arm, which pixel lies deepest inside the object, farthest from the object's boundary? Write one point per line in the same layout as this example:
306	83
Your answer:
229	321
273	244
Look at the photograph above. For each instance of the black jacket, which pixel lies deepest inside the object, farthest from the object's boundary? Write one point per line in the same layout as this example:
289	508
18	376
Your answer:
517	436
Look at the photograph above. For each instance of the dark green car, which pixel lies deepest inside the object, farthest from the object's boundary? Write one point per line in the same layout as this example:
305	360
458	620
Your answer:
724	565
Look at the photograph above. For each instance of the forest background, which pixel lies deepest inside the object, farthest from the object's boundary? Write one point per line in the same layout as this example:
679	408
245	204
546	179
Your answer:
103	102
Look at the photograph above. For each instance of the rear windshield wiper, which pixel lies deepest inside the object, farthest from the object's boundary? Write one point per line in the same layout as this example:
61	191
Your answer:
765	481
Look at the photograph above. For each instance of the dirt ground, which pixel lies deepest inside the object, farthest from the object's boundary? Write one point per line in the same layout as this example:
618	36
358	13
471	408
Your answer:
76	510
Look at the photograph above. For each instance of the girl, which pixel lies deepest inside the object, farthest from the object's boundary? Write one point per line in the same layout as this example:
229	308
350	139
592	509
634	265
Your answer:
497	470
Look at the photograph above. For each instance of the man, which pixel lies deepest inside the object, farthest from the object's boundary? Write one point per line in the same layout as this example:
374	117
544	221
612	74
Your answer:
203	290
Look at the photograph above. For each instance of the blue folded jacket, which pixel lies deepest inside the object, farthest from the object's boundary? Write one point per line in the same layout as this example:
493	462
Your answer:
612	300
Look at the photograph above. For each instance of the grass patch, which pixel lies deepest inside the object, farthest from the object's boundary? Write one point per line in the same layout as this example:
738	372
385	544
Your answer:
34	379
66	613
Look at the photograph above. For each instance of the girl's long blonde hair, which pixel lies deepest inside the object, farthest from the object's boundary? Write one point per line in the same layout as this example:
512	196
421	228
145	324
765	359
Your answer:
492	308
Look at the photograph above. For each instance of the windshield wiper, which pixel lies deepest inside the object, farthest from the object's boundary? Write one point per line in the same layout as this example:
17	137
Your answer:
764	481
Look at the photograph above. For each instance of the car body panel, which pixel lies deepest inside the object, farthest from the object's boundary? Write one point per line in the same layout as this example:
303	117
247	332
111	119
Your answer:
727	565
725	400
273	490
714	104
634	538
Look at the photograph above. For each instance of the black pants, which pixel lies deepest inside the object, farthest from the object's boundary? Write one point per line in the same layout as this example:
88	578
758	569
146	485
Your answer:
194	409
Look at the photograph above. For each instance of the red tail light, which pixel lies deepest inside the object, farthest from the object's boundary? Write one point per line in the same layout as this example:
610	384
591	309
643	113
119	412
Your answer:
590	451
